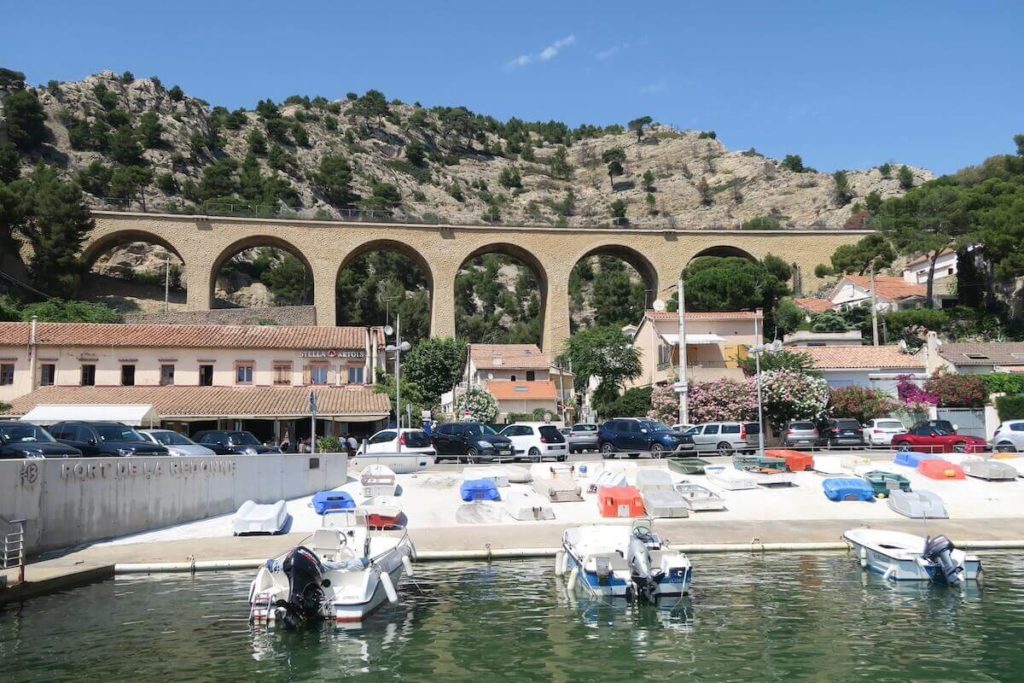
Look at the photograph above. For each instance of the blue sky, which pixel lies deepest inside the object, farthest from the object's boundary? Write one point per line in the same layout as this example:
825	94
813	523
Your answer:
846	85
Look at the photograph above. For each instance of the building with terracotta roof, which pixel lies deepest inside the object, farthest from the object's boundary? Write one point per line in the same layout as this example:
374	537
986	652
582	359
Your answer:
203	376
891	293
976	357
715	343
814	306
873	367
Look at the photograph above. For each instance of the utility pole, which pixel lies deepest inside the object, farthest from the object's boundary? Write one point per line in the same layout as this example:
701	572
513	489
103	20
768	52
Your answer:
684	410
398	347
874	309
167	283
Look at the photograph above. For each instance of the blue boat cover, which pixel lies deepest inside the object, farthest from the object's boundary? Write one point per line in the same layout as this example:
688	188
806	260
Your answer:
325	502
912	459
479	489
848	489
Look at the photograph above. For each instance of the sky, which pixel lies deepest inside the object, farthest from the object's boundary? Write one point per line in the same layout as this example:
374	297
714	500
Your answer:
934	84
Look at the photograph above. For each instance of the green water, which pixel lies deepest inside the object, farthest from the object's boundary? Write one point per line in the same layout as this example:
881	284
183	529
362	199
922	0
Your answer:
763	617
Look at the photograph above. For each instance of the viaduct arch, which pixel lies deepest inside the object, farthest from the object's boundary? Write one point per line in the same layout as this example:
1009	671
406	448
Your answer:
204	242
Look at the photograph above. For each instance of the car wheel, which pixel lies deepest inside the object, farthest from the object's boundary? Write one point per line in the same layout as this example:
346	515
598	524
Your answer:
607	450
724	448
472	455
903	446
960	447
1005	447
562	458
657	450
535	454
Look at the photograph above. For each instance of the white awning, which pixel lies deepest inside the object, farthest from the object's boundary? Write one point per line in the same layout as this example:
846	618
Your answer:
673	339
133	415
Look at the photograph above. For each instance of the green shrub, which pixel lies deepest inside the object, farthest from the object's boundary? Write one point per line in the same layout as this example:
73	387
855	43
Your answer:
1004	383
1010	407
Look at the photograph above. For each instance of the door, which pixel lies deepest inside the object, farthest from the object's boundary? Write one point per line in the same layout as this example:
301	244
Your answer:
85	440
442	438
708	437
635	439
520	438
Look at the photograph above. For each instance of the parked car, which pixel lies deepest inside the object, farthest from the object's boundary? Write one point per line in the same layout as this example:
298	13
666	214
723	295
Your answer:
633	435
934	440
474	441
106	439
536	440
725	437
1009	437
944	425
843	431
800	433
175	443
879	432
682	427
388	441
582	437
26	440
224	442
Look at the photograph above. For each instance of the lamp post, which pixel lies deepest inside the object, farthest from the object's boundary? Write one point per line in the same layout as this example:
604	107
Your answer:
757	351
397	348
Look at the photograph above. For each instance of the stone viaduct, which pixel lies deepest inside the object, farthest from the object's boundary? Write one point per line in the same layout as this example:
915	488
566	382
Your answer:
205	243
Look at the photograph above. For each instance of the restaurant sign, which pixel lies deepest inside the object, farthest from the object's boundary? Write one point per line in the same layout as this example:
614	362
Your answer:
332	353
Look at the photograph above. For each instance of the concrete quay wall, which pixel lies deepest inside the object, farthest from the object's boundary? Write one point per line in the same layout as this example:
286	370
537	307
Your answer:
67	502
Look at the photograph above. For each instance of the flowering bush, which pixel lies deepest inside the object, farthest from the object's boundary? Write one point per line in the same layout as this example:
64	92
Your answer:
915	400
481	405
723	400
664	405
861	404
957	391
790	395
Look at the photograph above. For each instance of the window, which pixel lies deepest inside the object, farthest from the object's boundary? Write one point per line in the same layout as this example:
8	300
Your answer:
710	429
384	437
282	373
7	373
355	375
88	374
318	374
243	373
976	356
730	429
1017	427
127	375
47	374
166	375
513	378
206	375
444	429
531	376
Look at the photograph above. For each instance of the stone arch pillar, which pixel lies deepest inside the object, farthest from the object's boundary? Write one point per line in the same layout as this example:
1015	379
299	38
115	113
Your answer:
199	276
442	303
324	292
556	306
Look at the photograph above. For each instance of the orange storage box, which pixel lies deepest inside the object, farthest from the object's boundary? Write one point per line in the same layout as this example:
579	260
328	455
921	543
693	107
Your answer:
795	460
940	469
620	501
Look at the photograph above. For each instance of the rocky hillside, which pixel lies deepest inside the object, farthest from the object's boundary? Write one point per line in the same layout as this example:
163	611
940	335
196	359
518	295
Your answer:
325	159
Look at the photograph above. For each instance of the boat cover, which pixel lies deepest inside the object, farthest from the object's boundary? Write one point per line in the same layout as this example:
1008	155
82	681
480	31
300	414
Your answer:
664	503
479	489
653	480
993	470
795	460
325	502
848	489
912	459
610	480
918	504
496	473
624	501
480	512
940	469
253	518
528	506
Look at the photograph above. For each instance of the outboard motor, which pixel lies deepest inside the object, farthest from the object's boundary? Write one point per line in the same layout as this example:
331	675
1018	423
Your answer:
645	579
305	588
939	550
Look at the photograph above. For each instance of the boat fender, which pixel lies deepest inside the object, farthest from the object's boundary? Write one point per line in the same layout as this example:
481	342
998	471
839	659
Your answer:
888	573
560	563
389	587
863	558
574	575
407	563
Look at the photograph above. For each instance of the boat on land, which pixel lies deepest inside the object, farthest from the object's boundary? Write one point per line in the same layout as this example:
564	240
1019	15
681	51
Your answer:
340	574
254	518
918	504
770	476
688	466
660	497
758	462
730	478
378	480
699	498
901	556
992	470
528	506
622	561
556	482
882	482
382	512
398	463
848	488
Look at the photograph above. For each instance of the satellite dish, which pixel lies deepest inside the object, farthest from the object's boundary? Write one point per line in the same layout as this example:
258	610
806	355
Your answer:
490	375
658	305
388	330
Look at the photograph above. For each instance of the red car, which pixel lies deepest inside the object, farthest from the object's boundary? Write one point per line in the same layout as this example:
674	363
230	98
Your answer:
926	439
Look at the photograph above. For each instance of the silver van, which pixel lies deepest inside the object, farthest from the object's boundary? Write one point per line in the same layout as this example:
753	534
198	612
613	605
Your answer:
725	438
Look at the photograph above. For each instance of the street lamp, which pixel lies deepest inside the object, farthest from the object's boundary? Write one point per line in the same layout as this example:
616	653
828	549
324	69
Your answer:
757	350
680	386
397	348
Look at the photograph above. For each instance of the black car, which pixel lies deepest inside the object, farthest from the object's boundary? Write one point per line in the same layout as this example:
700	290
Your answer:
634	435
843	431
473	440
26	440
224	442
105	439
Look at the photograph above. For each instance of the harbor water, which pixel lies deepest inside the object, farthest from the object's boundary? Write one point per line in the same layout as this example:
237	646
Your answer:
759	617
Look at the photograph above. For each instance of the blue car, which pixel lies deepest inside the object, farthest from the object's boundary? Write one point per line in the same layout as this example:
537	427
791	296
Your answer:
634	435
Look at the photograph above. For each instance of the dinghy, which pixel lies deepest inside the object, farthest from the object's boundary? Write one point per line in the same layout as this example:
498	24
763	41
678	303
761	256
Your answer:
622	561
940	469
342	574
796	461
382	512
878	466
848	489
479	489
325	502
552	470
556	482
769	476
609	480
528	506
253	518
517	475
687	466
699	498
378	480
905	557
758	462
660	497
912	459
399	463
729	478
883	483
828	464
992	470
496	473
918	504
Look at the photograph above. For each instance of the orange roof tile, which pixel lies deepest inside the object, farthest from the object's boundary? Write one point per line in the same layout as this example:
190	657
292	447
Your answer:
509	356
887	287
814	305
187	336
528	391
173	402
860	357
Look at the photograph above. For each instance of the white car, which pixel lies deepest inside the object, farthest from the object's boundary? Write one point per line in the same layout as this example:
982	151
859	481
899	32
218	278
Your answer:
537	440
388	441
176	444
1009	437
879	432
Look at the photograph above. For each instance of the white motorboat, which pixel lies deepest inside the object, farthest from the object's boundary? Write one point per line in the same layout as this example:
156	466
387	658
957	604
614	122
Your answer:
399	463
729	478
378	480
342	574
905	557
382	512
253	518
622	561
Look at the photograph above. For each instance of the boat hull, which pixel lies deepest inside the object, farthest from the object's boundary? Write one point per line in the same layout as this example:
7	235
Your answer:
616	584
897	556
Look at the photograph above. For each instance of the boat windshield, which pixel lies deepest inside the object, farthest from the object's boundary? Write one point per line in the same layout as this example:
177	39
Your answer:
26	433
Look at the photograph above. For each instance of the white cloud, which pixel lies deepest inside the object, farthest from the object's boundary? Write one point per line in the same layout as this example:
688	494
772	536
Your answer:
545	55
605	55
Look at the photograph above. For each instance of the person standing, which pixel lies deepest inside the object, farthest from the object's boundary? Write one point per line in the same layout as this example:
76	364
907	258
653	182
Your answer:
352	443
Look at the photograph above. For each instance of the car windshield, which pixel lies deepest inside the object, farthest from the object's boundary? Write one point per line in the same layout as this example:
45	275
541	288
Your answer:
889	424
118	433
171	438
243	439
655	426
479	430
584	428
24	434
